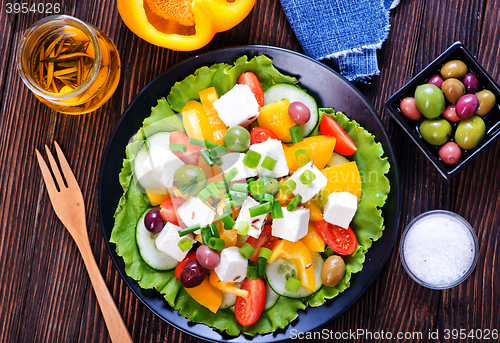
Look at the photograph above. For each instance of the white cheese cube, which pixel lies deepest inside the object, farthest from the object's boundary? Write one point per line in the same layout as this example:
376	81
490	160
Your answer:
161	164
255	223
168	240
194	211
274	149
235	160
310	190
340	209
293	226
238	106
232	266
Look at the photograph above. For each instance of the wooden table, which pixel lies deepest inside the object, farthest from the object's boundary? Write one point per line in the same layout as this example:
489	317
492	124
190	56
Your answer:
45	293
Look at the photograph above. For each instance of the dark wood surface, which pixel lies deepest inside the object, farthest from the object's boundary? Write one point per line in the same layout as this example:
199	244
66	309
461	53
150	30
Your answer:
45	293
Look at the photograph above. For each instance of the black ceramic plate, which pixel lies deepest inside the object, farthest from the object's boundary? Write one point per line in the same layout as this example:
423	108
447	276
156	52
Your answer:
330	90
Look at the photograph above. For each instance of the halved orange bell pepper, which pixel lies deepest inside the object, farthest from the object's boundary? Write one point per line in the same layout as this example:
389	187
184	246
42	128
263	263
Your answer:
298	252
208	16
227	287
206	295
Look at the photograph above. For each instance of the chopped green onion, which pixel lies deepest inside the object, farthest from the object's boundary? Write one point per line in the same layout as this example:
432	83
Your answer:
269	163
213	230
252	272
261	267
206	234
227	208
210	144
307	177
235	195
302	160
218	161
197	142
260	209
204	194
322	198
228	221
216	244
190	229
206	156
276	211
250	179
185	244
265	253
296	134
246	251
229	176
295	201
212	188
251	159
292	285
288	186
266	197
218	151
243	228
178	147
257	188
240	187
220	184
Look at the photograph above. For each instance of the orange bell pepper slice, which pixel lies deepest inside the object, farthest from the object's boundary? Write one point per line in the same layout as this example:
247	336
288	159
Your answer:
206	295
227	287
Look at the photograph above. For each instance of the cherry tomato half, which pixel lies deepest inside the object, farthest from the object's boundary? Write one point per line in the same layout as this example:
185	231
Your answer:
260	134
252	81
342	241
248	311
266	240
178	269
168	210
191	156
329	127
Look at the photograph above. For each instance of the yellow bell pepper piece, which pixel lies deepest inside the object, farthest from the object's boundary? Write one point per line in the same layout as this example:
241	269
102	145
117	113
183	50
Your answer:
313	240
314	211
275	117
210	17
319	149
227	287
298	252
343	178
218	128
206	295
155	197
228	236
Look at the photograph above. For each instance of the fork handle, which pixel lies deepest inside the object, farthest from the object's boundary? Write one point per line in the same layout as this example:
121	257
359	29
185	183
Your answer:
116	327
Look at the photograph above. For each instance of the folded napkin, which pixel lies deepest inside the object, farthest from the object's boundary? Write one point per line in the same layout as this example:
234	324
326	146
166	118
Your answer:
347	31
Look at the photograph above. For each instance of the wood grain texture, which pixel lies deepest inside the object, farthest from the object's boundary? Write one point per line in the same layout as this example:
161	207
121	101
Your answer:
45	293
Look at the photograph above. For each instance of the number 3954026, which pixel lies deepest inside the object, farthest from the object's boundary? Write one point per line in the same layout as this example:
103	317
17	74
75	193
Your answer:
26	7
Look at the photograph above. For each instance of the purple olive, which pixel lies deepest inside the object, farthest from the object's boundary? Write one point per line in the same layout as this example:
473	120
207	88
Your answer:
450	153
471	83
299	112
467	106
153	221
192	274
435	80
207	257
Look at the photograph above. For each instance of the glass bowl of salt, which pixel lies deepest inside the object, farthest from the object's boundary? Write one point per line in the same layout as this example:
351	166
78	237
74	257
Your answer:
439	249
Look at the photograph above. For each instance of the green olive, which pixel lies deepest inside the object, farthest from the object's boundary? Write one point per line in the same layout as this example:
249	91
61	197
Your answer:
470	132
435	131
333	271
271	185
453	89
455	68
187	174
487	101
430	100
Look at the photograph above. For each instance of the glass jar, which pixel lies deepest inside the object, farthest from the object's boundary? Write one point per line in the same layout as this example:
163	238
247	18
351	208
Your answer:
70	66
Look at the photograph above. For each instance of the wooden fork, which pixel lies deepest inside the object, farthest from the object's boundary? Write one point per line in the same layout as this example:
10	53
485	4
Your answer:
70	208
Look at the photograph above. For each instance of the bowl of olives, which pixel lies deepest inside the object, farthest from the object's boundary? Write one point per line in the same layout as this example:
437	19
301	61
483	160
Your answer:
450	110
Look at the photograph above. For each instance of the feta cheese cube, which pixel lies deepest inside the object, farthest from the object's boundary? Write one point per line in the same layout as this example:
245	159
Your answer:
238	106
274	149
293	226
194	211
310	190
235	160
161	164
255	223
340	209
168	240
232	266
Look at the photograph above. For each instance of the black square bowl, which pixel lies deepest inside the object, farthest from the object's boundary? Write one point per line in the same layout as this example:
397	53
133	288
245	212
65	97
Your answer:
456	51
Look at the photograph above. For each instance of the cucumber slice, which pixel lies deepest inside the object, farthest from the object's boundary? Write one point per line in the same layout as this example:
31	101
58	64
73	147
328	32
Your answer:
277	271
271	297
161	139
336	160
148	250
228	300
293	93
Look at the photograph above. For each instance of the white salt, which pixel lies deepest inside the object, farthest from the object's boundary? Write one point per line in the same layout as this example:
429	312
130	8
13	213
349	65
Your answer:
439	249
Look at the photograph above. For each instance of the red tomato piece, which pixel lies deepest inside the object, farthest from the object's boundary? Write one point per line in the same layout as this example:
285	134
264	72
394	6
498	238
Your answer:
178	269
248	311
168	210
252	81
344	145
266	240
260	134
342	241
191	156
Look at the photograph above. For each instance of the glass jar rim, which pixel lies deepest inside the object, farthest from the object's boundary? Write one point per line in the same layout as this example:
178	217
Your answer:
55	21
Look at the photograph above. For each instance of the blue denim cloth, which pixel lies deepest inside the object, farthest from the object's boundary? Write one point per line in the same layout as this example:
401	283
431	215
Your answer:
347	31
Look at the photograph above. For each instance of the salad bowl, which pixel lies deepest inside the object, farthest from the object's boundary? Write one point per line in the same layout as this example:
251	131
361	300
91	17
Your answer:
330	90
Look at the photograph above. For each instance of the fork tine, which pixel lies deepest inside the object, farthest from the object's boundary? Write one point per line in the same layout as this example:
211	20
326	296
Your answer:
66	169
55	169
47	177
